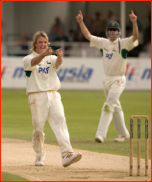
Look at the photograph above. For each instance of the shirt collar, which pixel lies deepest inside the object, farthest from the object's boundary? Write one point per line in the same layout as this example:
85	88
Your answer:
114	42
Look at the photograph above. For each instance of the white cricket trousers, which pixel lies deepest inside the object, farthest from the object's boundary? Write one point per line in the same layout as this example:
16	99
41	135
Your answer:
48	106
113	87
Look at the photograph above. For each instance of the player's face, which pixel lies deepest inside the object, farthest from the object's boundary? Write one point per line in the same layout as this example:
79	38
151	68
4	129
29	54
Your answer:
113	34
41	45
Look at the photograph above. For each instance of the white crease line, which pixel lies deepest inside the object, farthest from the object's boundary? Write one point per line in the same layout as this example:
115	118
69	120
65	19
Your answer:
29	176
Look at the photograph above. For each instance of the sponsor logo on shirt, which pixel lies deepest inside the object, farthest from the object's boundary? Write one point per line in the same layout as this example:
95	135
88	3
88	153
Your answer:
109	55
43	70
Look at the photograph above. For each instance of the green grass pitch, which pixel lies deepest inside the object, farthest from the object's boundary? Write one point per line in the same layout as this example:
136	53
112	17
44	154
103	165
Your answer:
82	111
11	177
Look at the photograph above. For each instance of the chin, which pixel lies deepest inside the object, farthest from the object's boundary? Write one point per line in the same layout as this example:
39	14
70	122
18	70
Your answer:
42	50
113	38
39	51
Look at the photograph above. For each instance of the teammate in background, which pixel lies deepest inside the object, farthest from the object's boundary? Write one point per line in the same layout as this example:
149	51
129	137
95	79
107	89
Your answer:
44	100
114	51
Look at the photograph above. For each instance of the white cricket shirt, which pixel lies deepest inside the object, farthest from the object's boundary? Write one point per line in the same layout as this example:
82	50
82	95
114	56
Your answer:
114	62
42	77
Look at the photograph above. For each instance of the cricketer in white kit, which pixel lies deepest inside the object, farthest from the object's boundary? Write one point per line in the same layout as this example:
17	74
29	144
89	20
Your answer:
114	51
44	100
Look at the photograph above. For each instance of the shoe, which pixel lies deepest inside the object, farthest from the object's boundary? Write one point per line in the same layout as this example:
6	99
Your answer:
39	163
71	158
120	139
99	139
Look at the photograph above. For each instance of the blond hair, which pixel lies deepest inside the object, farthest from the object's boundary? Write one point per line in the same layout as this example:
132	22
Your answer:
36	36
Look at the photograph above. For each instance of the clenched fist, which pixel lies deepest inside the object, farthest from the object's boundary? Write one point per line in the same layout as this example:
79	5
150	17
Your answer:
48	51
79	17
59	52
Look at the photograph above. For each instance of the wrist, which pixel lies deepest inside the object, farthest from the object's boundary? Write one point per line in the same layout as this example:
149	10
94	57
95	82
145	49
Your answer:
134	22
59	56
81	22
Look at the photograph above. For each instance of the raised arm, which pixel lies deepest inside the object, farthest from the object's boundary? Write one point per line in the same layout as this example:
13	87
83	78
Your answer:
84	29
133	18
37	59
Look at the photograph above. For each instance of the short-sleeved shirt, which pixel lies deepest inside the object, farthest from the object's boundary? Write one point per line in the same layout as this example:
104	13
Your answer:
42	77
114	53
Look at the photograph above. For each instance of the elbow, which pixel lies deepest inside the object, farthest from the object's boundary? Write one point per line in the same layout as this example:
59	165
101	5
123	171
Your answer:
135	38
88	37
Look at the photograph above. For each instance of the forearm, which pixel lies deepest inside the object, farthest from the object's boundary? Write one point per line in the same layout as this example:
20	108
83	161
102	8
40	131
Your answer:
85	31
135	31
36	60
58	62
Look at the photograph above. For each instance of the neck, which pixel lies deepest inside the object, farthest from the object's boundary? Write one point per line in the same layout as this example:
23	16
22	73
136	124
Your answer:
112	40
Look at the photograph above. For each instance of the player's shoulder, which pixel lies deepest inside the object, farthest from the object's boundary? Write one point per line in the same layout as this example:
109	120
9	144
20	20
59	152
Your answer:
126	39
28	56
53	57
105	40
98	38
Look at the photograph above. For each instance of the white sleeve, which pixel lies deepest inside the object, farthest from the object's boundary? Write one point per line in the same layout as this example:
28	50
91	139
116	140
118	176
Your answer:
129	44
27	63
96	42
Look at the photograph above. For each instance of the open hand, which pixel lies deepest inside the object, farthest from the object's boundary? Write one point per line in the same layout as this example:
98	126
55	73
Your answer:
133	17
59	52
79	17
